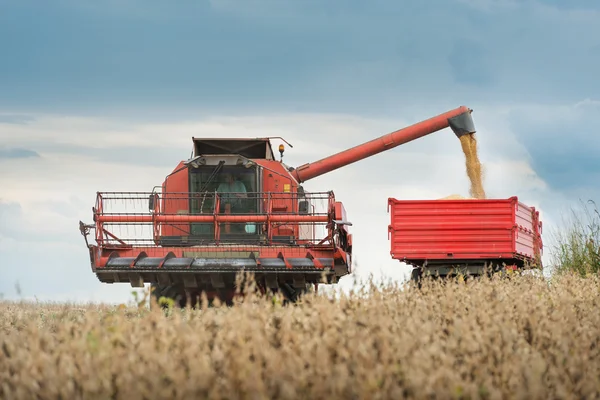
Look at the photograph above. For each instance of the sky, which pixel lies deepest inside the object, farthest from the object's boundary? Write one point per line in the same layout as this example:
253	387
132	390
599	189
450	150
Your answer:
105	95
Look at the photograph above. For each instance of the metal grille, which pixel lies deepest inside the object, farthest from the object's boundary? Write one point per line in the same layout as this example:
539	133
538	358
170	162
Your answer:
189	219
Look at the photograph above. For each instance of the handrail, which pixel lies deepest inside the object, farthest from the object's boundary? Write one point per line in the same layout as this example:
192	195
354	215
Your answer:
172	214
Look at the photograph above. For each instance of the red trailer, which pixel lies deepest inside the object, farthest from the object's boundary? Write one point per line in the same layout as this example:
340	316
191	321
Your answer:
441	236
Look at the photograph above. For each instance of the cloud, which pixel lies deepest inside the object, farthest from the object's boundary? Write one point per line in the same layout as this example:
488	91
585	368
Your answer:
42	203
17	153
367	59
491	5
53	272
468	61
40	253
562	141
10	217
15	119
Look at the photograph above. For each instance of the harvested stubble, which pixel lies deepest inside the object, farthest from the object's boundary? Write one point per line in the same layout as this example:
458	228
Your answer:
521	338
474	170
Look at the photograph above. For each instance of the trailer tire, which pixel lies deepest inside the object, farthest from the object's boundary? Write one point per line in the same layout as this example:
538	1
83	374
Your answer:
416	276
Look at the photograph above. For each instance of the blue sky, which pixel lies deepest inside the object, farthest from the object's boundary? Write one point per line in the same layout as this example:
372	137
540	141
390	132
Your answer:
107	55
88	87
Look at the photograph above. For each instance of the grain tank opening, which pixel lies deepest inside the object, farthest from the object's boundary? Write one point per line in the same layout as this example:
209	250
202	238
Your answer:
255	148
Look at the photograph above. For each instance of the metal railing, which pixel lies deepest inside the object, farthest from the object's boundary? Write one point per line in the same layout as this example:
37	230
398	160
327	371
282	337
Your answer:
125	219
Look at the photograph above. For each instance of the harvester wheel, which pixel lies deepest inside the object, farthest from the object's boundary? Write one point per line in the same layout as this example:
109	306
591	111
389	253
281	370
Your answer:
292	294
170	292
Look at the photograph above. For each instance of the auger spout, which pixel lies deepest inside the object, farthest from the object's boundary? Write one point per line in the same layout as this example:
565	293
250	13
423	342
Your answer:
459	120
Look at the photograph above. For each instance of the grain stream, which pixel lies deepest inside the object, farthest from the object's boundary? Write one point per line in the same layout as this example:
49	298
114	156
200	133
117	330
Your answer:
474	169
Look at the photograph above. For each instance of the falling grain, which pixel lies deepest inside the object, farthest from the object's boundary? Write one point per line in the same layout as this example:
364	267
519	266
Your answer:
474	170
456	197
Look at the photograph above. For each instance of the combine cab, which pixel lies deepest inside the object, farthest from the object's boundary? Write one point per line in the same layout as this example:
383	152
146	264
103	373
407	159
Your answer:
234	207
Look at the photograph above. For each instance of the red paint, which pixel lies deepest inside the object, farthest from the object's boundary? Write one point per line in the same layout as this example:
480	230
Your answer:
463	229
176	183
101	255
166	213
383	143
176	199
210	218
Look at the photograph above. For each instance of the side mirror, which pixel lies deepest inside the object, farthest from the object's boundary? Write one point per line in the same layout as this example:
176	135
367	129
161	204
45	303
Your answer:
303	207
151	202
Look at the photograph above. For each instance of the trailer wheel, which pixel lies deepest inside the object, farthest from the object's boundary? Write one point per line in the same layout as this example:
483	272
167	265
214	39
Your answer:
416	275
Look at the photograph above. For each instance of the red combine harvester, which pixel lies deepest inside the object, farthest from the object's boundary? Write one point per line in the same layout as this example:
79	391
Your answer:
447	237
234	207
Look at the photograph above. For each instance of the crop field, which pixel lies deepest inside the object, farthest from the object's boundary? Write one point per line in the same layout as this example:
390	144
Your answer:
524	337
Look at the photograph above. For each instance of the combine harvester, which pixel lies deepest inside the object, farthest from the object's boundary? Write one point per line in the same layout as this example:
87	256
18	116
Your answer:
234	207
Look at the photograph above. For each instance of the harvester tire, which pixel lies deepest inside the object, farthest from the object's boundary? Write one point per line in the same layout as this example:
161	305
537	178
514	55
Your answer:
170	292
292	294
